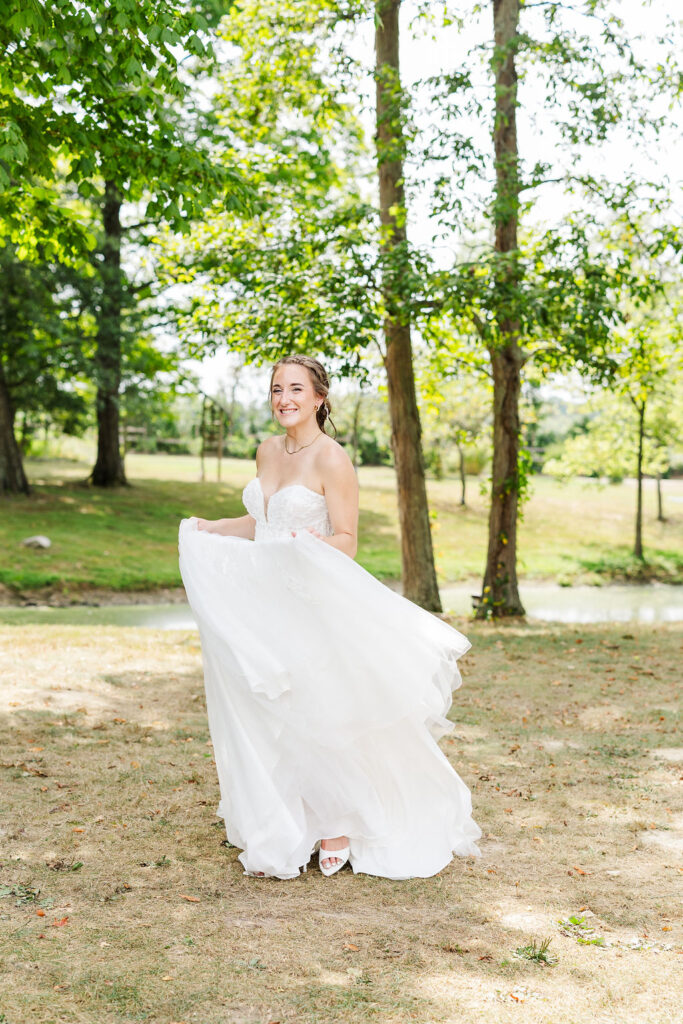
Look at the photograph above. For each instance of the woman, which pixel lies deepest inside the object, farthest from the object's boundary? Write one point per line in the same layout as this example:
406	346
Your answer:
325	690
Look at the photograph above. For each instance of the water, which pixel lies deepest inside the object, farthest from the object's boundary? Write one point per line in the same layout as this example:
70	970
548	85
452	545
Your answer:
614	603
547	601
154	616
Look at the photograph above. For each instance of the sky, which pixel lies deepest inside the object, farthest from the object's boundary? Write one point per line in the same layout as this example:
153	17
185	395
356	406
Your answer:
425	52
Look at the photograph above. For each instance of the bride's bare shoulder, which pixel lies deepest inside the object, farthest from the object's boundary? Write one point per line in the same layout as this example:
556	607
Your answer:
268	447
334	462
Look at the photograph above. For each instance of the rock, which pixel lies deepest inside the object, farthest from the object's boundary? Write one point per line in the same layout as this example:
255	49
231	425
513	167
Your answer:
37	542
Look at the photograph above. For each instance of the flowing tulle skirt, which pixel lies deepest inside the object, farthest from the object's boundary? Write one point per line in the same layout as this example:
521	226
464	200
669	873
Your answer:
326	693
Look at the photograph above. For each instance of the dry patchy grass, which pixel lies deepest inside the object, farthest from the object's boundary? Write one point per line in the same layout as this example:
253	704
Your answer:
120	902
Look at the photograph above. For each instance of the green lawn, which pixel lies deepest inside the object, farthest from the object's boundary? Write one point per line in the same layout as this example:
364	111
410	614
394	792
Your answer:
127	539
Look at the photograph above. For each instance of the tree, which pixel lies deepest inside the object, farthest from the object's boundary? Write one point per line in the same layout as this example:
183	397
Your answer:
456	415
417	555
41	353
315	267
96	87
529	293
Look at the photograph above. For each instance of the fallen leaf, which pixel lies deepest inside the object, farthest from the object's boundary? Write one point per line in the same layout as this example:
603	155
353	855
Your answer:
59	924
167	977
40	913
350	945
486	956
78	830
580	871
190	899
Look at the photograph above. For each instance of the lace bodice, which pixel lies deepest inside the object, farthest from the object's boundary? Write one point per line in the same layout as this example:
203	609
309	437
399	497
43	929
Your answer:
294	507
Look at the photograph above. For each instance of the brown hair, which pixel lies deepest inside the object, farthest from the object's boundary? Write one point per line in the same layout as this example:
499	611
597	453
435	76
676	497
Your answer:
319	379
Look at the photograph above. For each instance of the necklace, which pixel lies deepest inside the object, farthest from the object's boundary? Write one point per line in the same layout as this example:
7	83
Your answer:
307	445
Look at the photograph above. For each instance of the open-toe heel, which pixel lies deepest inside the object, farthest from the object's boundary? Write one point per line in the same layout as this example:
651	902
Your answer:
342	855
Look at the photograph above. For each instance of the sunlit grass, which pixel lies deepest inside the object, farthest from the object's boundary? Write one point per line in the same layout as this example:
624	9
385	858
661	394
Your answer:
127	539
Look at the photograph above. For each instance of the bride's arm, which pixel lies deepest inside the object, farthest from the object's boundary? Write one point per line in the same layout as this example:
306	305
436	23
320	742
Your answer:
243	526
341	492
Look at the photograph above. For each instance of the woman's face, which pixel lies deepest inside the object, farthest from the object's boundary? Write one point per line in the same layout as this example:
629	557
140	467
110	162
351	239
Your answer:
293	396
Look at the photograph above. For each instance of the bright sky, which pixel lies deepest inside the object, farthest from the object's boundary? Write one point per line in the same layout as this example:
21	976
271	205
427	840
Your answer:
426	52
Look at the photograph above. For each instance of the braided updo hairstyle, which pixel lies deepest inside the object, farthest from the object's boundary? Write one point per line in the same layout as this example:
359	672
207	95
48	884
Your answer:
321	385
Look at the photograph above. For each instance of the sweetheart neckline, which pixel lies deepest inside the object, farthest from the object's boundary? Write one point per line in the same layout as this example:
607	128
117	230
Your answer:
287	487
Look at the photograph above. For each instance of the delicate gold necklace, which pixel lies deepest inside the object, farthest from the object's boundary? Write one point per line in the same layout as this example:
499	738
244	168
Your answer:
307	445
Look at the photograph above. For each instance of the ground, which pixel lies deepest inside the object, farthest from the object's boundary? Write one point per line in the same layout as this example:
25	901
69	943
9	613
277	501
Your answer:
120	900
127	539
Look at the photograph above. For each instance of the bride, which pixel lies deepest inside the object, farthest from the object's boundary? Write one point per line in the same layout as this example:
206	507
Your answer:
326	691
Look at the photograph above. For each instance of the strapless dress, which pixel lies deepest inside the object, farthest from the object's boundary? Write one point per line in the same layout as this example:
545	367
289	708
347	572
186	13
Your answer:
326	695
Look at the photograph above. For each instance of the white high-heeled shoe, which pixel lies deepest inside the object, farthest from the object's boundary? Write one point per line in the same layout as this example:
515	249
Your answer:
342	854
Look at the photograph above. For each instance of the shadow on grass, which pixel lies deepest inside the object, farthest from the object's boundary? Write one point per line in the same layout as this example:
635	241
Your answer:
557	748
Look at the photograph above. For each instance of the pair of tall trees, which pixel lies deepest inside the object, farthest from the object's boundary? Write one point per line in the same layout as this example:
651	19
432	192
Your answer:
314	268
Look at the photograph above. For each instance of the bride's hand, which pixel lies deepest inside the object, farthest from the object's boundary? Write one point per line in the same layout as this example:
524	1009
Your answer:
210	525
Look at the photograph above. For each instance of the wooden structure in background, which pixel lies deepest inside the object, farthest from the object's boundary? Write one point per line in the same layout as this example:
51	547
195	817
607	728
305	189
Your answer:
212	433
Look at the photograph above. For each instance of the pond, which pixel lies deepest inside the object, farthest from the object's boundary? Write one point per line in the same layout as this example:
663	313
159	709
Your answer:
613	603
644	604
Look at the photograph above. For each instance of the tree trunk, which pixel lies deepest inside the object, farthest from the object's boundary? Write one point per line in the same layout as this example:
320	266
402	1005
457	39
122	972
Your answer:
108	470
355	431
660	502
417	555
219	446
500	595
202	436
463	477
638	546
12	476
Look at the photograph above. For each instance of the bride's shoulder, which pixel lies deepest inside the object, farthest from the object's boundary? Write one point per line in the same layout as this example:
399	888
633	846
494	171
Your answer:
267	447
333	452
334	464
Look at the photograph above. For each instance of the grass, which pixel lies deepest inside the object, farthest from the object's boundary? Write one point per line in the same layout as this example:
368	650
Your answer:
127	539
120	900
537	953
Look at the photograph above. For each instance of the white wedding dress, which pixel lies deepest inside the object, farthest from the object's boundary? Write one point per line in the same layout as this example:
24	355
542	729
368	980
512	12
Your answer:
326	692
